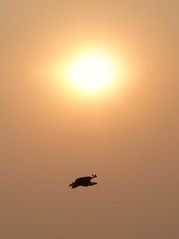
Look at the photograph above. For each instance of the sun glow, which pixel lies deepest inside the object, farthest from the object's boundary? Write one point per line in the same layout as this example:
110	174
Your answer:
92	72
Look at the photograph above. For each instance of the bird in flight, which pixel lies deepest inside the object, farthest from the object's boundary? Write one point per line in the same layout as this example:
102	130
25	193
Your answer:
83	181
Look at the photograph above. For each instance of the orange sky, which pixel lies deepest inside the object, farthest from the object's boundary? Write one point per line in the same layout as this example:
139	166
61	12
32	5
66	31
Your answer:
50	136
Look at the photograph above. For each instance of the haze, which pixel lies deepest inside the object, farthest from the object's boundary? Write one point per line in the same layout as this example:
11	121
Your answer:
49	135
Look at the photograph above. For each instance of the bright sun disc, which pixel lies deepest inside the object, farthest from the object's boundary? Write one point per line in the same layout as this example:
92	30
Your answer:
92	73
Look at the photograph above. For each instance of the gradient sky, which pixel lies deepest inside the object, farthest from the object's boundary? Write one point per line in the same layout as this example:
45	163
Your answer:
48	138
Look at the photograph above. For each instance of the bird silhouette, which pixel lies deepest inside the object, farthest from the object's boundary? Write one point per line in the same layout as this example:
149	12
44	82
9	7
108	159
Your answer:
83	181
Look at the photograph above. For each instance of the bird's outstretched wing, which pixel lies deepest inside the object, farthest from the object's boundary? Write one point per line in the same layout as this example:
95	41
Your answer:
83	179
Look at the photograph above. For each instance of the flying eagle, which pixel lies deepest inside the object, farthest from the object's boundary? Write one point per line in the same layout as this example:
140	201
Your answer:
83	181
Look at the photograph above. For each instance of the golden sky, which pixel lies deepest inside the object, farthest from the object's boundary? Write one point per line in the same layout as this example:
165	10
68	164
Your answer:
50	134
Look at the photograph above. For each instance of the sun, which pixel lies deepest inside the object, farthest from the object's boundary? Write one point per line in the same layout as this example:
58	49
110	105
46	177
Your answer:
92	72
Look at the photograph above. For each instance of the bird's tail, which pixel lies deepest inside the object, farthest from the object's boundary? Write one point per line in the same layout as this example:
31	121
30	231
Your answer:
73	185
94	175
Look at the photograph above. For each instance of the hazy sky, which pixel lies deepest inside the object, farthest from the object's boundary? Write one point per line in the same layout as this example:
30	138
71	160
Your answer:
48	136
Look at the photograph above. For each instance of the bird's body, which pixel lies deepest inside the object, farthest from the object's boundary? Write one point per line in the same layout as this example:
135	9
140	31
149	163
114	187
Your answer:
83	181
